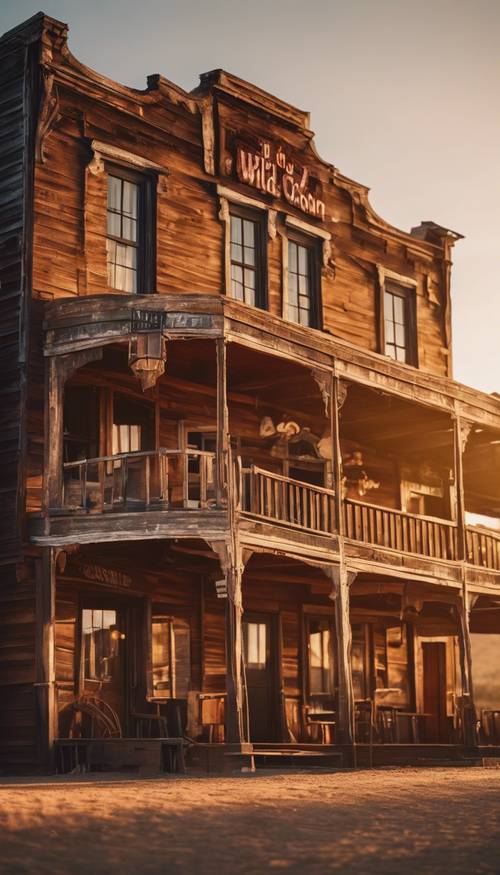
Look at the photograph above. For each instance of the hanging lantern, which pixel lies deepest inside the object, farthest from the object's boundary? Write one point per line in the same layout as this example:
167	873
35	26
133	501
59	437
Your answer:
147	356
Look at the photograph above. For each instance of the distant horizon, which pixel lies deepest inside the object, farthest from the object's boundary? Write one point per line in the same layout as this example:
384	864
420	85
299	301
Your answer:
400	98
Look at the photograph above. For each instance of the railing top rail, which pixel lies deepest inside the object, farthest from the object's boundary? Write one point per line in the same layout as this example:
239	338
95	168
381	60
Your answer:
484	530
256	470
162	451
403	513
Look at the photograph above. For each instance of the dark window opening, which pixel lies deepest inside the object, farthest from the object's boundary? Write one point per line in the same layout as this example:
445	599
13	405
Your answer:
248	259
303	284
320	651
399	324
129	233
170	657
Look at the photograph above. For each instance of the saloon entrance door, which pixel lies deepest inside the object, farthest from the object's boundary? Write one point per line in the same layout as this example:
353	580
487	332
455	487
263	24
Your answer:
259	647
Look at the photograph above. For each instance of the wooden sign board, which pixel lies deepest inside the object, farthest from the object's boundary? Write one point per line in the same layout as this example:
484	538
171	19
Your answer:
154	320
273	171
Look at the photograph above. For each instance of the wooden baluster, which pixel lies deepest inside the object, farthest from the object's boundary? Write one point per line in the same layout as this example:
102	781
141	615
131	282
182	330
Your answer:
392	529
165	472
82	473
147	474
125	479
385	522
203	480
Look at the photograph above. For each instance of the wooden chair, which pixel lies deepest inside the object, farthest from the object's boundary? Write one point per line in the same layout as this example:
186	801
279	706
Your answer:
490	726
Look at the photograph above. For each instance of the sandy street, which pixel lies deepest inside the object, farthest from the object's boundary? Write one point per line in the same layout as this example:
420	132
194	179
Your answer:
396	821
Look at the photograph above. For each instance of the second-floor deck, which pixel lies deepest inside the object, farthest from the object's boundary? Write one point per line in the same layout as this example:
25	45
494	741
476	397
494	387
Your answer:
181	488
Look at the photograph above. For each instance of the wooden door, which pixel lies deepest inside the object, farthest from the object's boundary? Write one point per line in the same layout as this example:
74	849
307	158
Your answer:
259	642
104	656
434	688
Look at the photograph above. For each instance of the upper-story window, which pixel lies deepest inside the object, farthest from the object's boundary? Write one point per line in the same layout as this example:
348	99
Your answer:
129	237
398	318
303	304
248	258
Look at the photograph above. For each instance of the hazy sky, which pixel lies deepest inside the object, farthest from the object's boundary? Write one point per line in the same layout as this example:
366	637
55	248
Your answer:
404	96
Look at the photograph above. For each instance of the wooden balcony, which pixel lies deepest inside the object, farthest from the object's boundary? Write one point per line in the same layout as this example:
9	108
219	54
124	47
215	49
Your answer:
288	502
397	530
154	481
139	481
483	547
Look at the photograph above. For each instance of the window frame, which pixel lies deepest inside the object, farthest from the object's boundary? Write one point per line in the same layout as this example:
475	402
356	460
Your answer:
405	289
259	218
146	225
310	616
314	245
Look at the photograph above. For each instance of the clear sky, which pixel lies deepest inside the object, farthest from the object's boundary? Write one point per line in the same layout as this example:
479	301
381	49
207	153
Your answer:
404	96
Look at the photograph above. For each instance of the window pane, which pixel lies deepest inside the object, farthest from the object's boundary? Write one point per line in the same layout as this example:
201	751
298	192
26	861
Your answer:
249	233
388	308
255	645
389	331
130	199
249	255
114	193
303	260
236	252
398	309
400	354
292	257
236	230
129	229
249	279
114	224
161	657
100	644
400	335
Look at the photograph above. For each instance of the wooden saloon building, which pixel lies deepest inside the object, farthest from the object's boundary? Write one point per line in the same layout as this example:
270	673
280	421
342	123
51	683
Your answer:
244	515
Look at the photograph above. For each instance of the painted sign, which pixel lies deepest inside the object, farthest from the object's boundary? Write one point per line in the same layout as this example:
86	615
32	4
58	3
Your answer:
272	171
105	576
157	320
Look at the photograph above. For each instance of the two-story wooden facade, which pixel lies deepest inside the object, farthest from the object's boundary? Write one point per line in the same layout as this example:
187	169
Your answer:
237	477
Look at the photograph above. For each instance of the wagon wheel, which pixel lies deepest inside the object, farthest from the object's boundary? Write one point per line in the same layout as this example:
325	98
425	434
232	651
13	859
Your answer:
103	720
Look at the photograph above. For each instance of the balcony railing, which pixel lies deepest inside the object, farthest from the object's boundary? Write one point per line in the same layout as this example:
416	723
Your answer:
398	530
140	481
483	547
164	478
286	501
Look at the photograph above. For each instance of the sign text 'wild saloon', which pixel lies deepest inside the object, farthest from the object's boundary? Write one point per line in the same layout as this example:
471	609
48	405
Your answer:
273	172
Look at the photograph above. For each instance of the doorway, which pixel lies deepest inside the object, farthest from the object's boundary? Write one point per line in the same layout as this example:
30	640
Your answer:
261	663
434	691
104	657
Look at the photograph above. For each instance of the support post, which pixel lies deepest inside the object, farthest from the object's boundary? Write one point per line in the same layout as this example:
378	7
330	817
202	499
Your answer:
232	568
469	721
45	655
342	580
461	433
234	711
338	394
59	369
222	446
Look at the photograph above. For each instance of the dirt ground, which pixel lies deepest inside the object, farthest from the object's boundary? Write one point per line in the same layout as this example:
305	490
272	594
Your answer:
395	821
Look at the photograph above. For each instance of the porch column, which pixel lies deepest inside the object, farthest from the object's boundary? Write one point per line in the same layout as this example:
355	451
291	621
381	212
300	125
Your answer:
461	433
45	655
222	447
342	579
234	703
59	369
463	607
232	569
